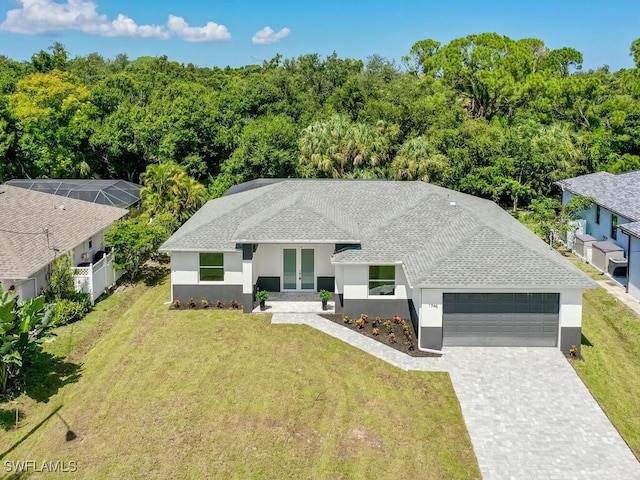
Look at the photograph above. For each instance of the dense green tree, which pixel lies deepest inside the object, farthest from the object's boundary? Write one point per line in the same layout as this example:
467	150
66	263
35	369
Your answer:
45	62
136	239
53	112
485	114
267	148
635	51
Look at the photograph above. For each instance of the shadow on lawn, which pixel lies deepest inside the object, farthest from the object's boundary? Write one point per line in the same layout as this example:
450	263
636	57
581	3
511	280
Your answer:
8	417
48	374
153	275
29	433
585	341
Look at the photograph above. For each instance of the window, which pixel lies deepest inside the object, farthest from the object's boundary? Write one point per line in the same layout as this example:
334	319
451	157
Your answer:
614	224
212	267
382	279
597	214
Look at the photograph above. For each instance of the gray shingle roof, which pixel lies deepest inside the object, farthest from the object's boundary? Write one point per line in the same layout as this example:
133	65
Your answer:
473	243
618	193
632	228
24	216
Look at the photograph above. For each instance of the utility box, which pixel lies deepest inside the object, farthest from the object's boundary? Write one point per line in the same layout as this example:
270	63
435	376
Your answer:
583	246
602	252
618	267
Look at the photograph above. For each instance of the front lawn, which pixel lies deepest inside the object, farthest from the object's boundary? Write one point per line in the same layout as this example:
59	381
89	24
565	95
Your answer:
218	394
611	360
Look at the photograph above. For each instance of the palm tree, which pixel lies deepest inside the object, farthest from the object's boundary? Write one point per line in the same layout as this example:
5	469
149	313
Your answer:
168	188
418	159
338	148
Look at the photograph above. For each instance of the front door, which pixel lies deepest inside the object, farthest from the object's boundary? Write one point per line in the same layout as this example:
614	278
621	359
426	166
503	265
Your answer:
298	269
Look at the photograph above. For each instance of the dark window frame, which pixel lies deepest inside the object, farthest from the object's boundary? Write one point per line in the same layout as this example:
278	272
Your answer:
597	214
211	267
614	225
381	282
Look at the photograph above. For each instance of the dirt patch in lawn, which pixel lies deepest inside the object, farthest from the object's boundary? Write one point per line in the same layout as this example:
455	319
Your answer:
390	332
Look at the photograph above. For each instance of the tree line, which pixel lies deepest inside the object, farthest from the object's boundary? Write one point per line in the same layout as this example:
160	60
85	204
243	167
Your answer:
484	114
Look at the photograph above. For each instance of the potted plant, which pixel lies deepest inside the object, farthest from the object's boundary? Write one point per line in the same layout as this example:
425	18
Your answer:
262	296
325	295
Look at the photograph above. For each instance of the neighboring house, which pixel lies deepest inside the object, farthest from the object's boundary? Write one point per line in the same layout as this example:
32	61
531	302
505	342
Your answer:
117	193
37	227
462	269
613	223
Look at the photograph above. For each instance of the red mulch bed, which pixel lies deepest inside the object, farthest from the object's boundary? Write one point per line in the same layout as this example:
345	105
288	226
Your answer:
402	343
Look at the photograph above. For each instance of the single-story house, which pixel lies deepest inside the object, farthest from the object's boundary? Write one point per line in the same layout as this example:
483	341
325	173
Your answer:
36	228
117	193
611	240
461	268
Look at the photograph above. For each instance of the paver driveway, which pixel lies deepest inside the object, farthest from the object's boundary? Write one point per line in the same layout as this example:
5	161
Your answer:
528	413
530	416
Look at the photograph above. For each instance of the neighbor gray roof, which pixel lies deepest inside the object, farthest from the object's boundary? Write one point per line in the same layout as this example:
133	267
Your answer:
631	229
473	243
117	193
618	193
26	215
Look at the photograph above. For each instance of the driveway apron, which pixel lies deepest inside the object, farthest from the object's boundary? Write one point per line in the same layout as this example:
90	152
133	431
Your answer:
528	413
530	416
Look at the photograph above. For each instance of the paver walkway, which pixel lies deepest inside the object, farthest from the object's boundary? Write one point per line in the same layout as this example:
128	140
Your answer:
528	413
618	292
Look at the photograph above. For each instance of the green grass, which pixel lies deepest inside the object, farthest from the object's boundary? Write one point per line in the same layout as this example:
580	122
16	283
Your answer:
611	360
218	394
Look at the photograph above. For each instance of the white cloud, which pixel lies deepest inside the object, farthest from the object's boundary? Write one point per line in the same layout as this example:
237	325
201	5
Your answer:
45	16
211	32
267	35
124	26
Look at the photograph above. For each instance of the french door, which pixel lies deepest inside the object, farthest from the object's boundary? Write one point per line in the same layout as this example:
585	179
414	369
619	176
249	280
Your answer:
298	269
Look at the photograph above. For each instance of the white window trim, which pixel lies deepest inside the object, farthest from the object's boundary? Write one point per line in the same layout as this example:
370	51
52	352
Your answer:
395	282
212	282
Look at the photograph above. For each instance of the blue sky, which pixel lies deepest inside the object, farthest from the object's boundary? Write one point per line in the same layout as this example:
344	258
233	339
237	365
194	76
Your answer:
239	32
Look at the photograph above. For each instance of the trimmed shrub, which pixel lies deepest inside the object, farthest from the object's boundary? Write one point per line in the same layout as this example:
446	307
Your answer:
68	311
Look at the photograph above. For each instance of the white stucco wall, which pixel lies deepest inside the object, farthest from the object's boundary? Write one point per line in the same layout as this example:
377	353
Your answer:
353	281
267	261
570	308
185	268
634	268
430	308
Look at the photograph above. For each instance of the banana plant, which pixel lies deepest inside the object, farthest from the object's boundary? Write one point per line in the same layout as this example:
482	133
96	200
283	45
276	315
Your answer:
23	328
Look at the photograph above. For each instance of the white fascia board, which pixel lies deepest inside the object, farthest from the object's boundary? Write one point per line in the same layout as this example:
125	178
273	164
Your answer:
507	289
320	241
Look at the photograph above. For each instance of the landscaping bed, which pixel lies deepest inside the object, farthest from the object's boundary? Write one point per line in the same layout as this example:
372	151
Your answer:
192	304
394	332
